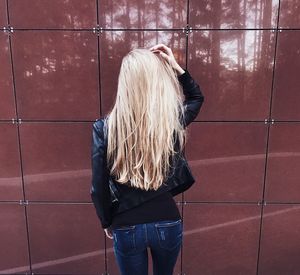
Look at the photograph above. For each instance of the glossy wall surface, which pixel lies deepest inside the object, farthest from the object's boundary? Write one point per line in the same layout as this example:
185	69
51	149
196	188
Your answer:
59	70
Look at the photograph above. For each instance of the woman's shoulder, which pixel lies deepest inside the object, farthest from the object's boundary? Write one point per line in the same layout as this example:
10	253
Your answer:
100	125
100	121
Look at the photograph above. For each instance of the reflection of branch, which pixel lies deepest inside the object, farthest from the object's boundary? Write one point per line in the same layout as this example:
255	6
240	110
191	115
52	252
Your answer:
43	177
49	263
234	222
203	162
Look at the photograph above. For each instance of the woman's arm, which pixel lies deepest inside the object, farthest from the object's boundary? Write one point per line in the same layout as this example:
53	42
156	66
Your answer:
194	97
99	191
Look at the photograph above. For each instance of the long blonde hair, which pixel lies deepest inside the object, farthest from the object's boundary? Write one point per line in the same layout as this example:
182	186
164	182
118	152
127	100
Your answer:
144	123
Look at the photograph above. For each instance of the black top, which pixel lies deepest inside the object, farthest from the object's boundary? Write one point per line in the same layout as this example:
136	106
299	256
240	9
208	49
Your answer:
162	207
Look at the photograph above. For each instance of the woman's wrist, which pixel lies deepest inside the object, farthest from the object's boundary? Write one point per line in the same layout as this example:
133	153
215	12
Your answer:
178	70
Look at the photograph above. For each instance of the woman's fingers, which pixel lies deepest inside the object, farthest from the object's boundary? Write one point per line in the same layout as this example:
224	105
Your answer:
156	46
155	51
162	54
162	47
167	49
165	56
108	234
165	52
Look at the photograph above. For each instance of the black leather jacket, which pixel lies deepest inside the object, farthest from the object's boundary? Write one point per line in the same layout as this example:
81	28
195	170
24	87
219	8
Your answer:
179	179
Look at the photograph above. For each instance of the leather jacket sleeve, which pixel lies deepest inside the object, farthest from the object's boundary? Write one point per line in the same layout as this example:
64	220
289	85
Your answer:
193	97
99	191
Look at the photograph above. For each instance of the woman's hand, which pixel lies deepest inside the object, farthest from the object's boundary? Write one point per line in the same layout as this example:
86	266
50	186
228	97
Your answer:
108	233
167	54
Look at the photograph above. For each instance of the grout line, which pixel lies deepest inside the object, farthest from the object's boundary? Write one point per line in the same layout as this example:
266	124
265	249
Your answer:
267	145
154	30
19	140
195	121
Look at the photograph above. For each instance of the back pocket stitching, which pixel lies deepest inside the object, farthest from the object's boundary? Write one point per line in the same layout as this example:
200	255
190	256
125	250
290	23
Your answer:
126	227
158	231
167	224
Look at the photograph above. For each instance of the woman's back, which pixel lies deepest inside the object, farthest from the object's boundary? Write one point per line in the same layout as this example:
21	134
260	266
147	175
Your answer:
162	207
153	223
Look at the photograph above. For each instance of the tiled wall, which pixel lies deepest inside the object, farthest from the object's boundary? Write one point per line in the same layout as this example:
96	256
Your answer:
59	66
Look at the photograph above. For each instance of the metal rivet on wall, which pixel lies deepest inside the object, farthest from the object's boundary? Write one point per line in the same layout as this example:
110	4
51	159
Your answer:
280	30
266	121
187	30
97	29
8	29
13	120
272	121
19	121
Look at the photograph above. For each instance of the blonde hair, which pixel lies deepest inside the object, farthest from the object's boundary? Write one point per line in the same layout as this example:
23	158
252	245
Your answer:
144	123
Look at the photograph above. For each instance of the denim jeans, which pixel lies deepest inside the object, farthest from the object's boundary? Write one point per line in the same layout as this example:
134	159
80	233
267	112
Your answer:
164	238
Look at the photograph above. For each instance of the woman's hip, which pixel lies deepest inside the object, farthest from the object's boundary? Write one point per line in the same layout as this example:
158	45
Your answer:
165	235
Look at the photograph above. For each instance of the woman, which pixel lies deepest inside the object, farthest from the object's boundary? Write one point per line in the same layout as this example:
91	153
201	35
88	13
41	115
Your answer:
145	131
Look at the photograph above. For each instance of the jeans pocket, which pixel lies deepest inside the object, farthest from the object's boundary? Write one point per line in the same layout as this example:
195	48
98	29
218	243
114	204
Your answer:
169	234
125	227
124	239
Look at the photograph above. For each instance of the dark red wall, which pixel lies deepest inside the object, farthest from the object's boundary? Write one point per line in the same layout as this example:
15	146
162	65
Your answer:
59	63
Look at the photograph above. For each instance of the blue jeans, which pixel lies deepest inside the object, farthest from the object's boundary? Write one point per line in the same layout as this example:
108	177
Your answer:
130	247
